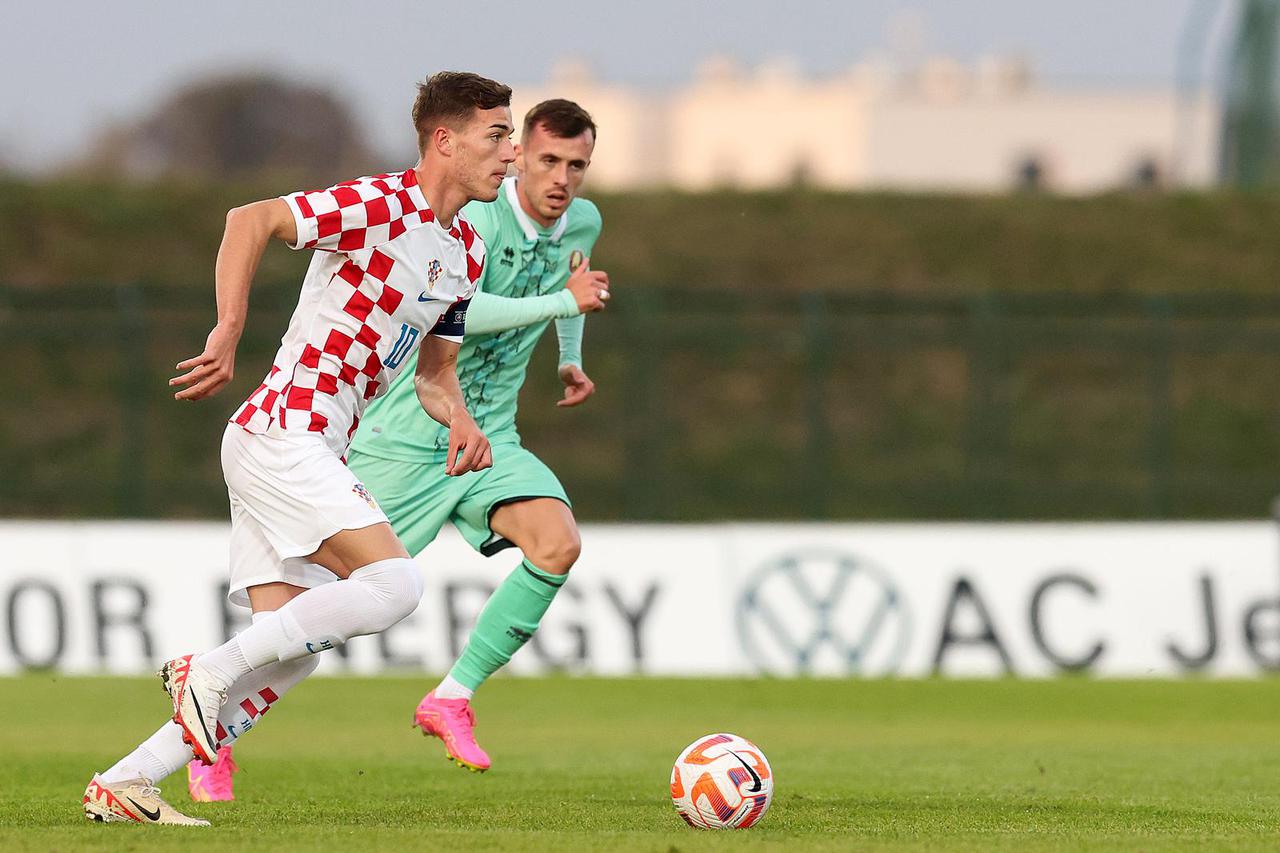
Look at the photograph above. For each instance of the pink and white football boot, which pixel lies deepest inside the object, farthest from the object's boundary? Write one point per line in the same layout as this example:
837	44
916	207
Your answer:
196	702
212	783
453	721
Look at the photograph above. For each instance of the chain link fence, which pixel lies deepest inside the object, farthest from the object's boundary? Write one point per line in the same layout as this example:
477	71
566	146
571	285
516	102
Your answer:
714	406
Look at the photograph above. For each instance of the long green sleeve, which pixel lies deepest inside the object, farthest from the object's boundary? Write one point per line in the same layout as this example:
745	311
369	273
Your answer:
490	313
569	331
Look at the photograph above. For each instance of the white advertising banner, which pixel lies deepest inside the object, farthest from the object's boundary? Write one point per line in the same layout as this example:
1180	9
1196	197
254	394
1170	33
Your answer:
872	600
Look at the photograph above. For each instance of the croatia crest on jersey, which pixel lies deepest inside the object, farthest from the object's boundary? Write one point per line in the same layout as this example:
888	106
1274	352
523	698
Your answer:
362	492
433	273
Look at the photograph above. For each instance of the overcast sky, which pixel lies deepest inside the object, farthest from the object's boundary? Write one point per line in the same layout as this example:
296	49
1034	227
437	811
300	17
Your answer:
68	67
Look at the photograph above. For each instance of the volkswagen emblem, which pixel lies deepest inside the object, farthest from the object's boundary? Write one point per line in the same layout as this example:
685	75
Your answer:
823	612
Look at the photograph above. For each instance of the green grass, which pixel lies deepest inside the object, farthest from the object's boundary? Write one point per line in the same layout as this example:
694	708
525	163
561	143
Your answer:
583	764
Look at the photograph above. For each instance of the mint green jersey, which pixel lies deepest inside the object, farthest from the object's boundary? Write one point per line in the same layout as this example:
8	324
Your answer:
521	259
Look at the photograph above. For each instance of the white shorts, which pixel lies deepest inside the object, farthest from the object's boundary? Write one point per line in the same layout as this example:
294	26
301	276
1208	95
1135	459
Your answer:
287	495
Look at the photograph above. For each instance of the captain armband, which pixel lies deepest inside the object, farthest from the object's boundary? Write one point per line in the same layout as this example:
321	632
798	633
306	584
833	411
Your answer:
453	321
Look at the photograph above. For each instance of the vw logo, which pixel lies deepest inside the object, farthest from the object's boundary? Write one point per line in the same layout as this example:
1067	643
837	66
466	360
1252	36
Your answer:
824	613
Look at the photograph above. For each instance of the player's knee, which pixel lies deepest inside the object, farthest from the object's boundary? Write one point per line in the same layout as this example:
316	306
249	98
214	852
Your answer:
397	583
556	553
408	590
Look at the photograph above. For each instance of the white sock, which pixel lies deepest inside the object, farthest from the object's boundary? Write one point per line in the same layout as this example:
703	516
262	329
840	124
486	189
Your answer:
252	696
249	698
155	758
227	662
451	688
371	600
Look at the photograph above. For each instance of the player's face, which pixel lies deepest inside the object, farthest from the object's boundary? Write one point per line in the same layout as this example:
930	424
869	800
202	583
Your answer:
551	170
483	151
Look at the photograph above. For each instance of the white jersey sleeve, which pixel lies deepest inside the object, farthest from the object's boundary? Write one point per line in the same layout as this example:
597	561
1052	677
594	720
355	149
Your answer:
353	215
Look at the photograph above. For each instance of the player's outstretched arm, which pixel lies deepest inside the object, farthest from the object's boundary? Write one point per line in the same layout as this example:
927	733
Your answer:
436	383
586	290
491	313
249	229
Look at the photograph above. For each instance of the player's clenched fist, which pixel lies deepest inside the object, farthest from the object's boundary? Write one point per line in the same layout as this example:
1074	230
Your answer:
577	386
211	369
468	447
589	287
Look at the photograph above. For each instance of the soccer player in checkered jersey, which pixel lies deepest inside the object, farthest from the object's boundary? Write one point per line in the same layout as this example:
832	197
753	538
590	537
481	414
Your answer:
538	236
311	552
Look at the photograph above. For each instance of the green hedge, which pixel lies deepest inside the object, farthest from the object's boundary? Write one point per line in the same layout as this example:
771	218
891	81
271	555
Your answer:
58	233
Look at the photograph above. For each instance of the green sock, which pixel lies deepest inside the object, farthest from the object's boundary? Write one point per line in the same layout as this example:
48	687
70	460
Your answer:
507	622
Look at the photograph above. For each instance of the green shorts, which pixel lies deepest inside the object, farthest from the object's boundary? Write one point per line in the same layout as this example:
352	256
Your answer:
418	497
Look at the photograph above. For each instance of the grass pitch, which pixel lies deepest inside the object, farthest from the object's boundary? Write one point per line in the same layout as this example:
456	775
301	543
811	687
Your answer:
583	764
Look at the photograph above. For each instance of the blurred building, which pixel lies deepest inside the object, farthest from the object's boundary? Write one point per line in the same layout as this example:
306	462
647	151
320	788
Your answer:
631	150
990	127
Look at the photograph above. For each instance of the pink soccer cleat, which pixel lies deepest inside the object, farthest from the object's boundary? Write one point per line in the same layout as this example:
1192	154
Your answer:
453	721
212	783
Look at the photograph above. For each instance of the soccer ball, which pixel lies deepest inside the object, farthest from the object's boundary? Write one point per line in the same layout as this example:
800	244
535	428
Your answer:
721	781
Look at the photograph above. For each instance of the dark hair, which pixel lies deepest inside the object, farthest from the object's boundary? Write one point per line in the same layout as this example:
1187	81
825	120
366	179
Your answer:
561	118
449	97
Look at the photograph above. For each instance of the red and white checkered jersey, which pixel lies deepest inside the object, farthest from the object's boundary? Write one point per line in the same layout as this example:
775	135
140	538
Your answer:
384	274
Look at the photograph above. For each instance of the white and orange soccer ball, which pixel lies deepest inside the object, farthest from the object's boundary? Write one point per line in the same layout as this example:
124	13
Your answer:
721	781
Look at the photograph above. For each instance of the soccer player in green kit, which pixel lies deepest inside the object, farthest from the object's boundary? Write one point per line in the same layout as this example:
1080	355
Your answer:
538	237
